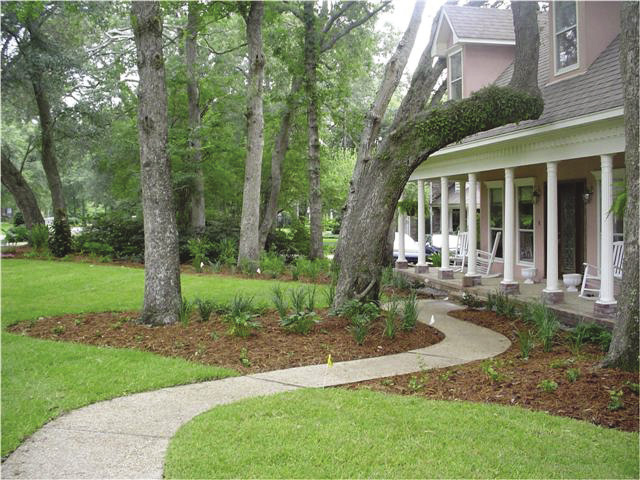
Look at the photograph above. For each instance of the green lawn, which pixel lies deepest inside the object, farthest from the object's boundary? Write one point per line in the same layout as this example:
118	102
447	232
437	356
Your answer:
41	379
361	434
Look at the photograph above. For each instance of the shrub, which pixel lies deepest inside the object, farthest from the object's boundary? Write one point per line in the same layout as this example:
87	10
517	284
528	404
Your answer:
272	264
122	232
390	319
471	301
298	298
17	234
490	304
97	248
410	312
548	386
279	301
205	308
330	294
18	219
435	259
39	237
60	240
355	307
198	249
573	374
311	269
545	322
360	324
590	333
525	340
504	305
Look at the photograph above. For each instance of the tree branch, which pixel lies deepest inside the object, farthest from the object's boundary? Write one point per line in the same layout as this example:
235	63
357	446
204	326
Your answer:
337	14
229	50
330	43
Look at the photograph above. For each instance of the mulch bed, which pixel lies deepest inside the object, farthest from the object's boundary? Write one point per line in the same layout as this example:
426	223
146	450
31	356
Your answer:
587	398
271	348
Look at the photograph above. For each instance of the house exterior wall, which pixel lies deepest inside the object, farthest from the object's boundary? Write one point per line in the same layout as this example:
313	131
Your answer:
482	64
575	169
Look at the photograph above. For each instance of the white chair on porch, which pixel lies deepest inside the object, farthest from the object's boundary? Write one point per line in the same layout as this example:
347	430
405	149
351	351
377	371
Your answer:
459	257
591	278
484	260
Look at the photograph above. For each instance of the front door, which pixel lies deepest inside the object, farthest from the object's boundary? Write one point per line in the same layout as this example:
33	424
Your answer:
571	226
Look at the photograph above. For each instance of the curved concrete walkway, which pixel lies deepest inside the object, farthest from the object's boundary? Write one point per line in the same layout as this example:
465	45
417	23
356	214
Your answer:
128	437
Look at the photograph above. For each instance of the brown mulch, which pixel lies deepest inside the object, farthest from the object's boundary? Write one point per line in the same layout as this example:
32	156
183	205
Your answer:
587	398
270	348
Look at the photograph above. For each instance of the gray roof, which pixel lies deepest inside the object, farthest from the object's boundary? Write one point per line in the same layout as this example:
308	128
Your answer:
481	23
598	89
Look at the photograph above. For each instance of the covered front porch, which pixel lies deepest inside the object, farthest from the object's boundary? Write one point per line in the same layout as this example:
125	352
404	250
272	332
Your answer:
538	219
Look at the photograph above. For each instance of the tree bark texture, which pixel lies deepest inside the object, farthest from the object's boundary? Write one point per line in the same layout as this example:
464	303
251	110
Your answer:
193	96
416	133
249	248
49	162
623	351
277	159
162	295
392	75
25	199
311	52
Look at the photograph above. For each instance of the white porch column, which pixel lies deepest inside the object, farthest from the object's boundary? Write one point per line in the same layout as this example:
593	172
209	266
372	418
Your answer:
463	207
445	271
606	304
472	278
552	293
508	283
421	267
401	262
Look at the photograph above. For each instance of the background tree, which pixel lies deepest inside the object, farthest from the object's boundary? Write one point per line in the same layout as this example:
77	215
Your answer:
12	178
623	351
417	132
162	295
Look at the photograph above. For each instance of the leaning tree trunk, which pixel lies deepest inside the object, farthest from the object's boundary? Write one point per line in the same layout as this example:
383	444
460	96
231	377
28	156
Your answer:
417	133
249	248
25	199
623	352
310	68
162	296
49	162
193	96
277	159
392	74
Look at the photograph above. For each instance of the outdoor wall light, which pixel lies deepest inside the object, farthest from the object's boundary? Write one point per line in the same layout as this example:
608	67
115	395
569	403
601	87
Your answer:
536	196
587	196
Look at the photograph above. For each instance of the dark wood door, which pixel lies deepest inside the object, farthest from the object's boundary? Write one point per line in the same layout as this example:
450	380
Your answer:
571	226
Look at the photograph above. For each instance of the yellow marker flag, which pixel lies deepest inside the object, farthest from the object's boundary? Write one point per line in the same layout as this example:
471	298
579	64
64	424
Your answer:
329	361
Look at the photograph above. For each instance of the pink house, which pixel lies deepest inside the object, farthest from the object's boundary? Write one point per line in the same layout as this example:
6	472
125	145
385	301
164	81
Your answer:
546	185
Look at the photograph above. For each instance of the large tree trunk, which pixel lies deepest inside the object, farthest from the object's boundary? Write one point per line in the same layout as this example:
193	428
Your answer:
162	296
277	159
49	162
416	134
25	199
623	352
392	74
193	96
249	224
310	69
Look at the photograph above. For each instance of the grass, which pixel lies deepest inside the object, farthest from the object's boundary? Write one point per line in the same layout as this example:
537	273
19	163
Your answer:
362	434
42	379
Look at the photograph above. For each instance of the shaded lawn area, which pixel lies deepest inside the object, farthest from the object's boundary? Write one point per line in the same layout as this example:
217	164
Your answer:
361	434
42	379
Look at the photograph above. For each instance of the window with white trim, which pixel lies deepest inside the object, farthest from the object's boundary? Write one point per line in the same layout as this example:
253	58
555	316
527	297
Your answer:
455	75
565	31
525	222
496	214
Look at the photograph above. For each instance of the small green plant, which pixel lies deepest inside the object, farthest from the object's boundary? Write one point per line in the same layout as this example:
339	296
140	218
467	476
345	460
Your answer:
446	375
79	321
505	306
634	387
562	363
573	374
241	324
415	384
184	314
241	304
410	312
390	319
300	322
386	277
490	304
214	335
205	308
525	340
272	264
615	400
576	340
435	259
298	298
279	301
330	293
227	251
354	307
39	237
591	333
58	330
360	325
247	267
311	298
491	371
471	301
198	249
548	386
244	358
545	322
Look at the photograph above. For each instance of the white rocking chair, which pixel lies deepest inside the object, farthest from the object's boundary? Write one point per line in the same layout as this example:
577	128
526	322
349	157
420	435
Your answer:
484	260
591	278
460	254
